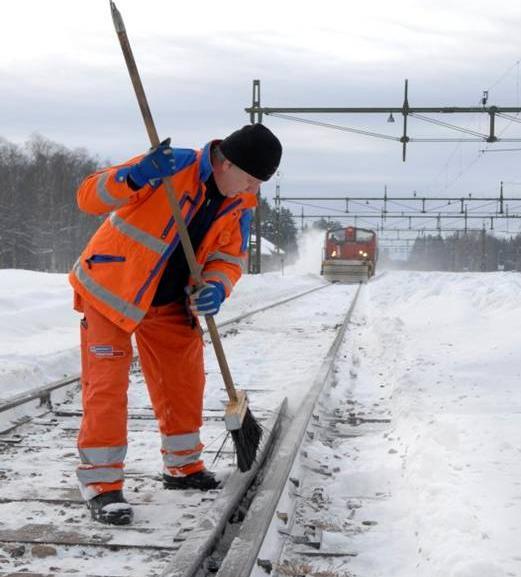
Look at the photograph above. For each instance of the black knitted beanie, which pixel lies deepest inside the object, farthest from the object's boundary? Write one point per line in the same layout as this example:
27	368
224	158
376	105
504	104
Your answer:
254	149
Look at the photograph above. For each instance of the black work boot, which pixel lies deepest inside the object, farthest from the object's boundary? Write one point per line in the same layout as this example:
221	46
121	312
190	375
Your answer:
203	480
110	508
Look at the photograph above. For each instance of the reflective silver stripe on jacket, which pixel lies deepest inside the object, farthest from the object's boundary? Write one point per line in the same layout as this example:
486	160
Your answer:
226	258
184	442
210	275
104	195
138	235
102	455
115	302
99	475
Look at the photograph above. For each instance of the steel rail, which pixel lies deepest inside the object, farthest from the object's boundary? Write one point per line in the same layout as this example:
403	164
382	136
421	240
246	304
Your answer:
242	554
43	393
39	393
270	306
190	557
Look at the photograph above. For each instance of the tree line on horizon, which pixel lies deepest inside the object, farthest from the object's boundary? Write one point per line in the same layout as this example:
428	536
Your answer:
41	226
471	251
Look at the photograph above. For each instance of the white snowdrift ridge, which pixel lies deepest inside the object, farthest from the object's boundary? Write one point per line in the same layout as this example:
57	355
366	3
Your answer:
441	350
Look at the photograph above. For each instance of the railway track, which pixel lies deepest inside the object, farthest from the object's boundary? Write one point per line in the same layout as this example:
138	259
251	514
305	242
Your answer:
45	529
42	396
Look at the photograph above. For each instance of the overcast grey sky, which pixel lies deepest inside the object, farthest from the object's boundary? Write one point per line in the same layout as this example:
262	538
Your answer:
63	76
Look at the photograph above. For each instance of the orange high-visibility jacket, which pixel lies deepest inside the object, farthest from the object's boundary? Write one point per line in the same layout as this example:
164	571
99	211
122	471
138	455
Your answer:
119	269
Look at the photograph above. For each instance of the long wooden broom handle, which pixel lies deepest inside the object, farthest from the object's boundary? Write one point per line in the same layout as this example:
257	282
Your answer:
195	268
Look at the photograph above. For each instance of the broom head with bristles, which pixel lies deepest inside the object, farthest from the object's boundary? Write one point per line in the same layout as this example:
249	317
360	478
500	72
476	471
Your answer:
246	431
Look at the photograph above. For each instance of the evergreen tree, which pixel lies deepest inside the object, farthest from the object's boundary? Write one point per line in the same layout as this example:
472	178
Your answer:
278	228
471	251
326	224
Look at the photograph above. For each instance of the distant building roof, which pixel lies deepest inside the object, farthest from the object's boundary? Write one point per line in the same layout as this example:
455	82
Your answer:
268	248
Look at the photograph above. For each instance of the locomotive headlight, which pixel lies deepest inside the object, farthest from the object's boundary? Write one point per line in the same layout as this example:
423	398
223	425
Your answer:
333	253
361	252
365	254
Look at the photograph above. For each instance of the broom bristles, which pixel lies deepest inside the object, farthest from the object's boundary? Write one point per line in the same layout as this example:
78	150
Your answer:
247	440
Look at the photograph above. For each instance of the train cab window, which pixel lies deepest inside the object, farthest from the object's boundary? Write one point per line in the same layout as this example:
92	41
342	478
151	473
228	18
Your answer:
338	235
364	235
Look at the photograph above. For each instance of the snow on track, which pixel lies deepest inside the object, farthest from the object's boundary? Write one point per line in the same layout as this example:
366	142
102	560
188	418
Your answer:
438	486
41	505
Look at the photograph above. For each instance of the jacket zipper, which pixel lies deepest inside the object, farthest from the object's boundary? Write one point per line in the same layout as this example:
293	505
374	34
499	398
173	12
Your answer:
103	258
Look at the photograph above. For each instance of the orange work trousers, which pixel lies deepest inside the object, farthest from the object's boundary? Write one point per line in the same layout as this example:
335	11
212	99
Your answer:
171	354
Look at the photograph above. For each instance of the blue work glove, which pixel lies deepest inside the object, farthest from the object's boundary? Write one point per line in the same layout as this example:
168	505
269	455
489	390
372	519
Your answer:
207	299
158	163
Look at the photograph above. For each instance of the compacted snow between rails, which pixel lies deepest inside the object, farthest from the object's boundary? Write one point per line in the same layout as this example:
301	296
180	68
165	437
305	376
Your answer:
440	351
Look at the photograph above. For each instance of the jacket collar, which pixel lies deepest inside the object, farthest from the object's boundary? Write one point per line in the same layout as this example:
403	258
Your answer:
205	166
249	200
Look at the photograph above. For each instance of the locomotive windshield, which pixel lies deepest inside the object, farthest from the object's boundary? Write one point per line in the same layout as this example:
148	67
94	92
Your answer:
338	235
364	235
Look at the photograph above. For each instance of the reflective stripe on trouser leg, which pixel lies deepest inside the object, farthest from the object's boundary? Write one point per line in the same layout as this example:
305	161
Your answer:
101	470
181	453
106	357
171	354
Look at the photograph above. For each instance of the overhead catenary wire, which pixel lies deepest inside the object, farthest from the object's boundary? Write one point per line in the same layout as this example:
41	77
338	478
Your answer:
479	136
447	125
289	114
476	135
505	74
488	148
334	126
508	117
500	150
309	205
472	205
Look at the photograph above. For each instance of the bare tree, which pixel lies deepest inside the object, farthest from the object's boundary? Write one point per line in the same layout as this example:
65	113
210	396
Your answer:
41	227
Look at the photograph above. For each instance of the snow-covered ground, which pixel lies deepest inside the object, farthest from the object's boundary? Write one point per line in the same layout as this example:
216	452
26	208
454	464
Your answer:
441	352
436	490
39	333
438	353
39	330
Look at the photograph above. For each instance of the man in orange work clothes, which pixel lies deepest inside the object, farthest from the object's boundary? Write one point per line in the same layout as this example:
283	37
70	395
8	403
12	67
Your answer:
133	277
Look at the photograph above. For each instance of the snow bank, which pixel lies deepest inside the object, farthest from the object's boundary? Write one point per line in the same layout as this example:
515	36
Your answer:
39	334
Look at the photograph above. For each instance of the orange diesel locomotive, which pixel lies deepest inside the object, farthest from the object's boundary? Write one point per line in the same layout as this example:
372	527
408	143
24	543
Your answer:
349	255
